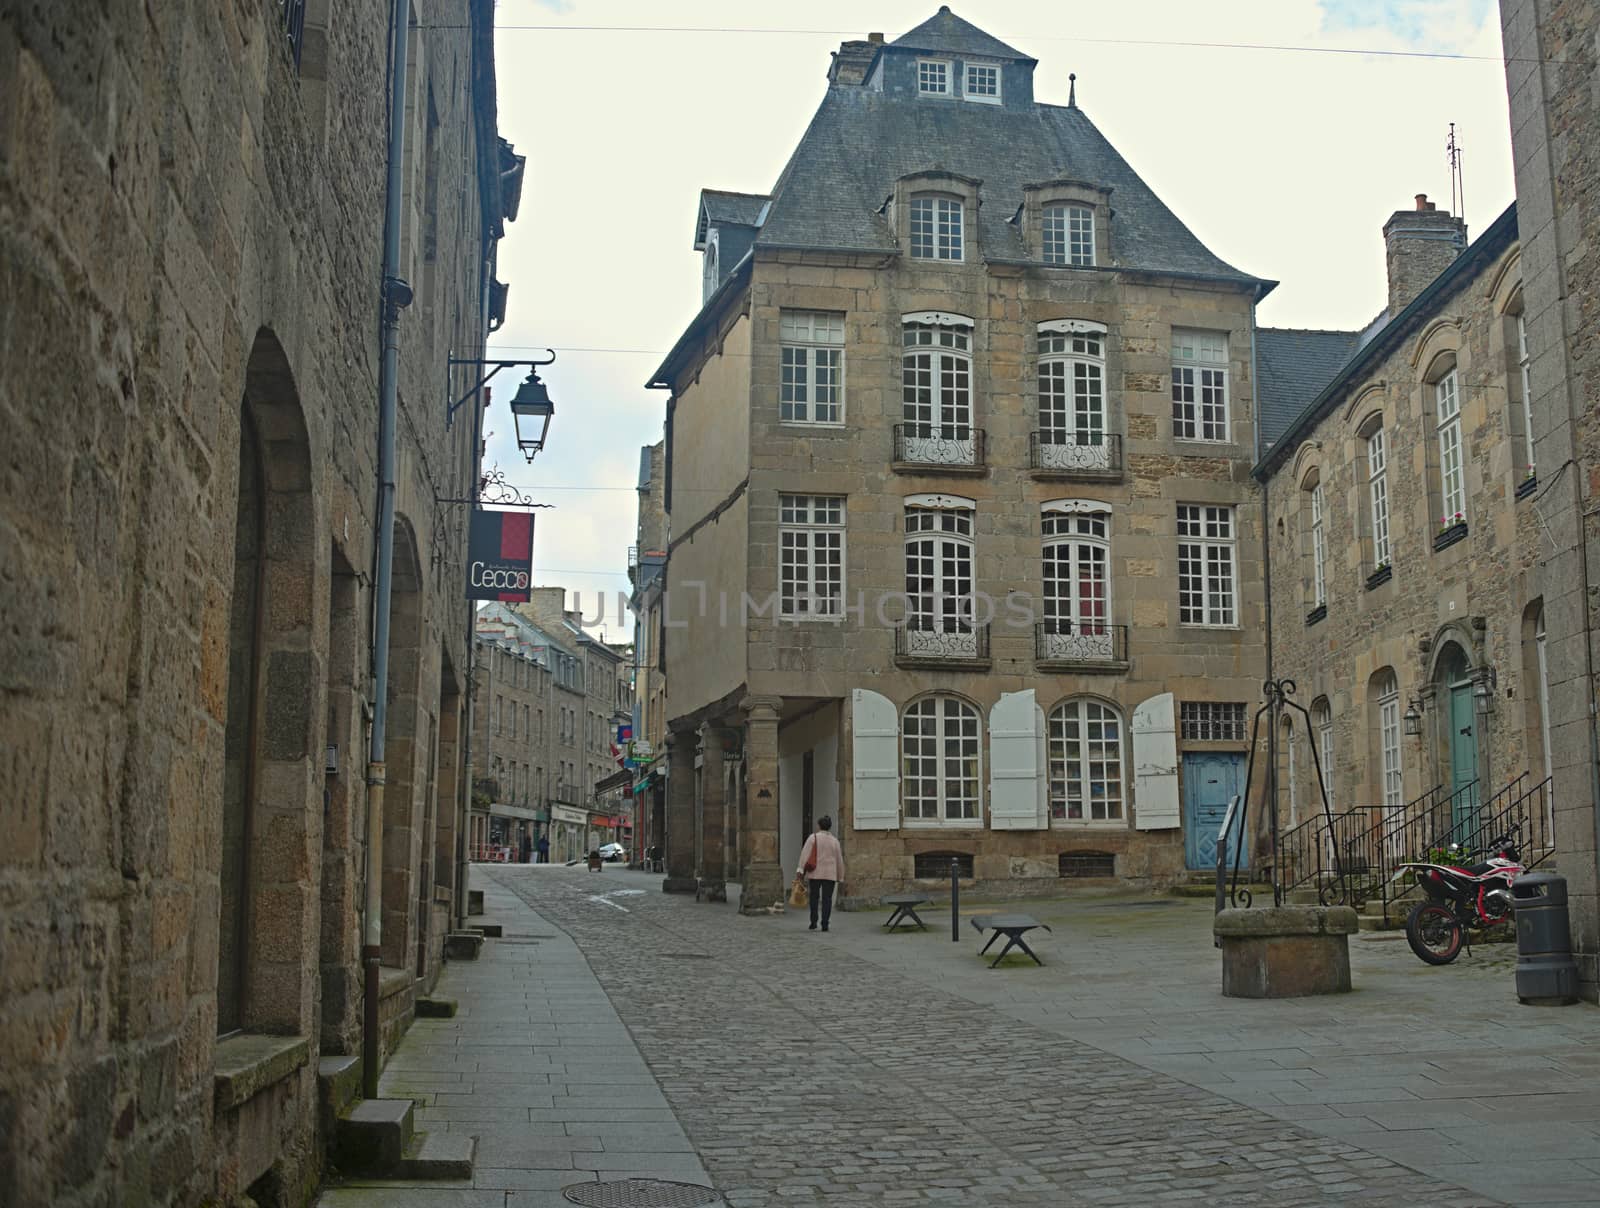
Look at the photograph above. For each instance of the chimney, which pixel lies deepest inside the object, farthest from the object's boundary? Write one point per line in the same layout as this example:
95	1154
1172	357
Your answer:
1419	244
851	60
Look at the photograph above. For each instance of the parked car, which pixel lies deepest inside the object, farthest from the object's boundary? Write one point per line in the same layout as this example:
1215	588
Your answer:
613	852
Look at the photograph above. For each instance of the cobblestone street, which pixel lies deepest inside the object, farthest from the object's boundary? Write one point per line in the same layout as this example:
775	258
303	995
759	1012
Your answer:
859	1068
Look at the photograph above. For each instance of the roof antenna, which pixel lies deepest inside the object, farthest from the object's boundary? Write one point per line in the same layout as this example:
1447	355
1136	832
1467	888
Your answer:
1458	188
1072	90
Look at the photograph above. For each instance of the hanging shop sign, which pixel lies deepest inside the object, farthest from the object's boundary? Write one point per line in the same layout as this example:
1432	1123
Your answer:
500	557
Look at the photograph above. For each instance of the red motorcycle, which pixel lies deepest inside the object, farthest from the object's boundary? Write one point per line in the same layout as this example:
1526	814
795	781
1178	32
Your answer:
1461	897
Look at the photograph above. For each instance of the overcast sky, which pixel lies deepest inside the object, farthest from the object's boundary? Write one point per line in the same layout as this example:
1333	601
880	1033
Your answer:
1284	162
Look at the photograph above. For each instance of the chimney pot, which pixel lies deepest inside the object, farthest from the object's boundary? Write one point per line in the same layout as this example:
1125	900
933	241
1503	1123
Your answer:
1423	203
875	39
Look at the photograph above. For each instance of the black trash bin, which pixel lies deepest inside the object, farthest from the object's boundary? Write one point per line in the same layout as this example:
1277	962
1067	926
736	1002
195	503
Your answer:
1546	973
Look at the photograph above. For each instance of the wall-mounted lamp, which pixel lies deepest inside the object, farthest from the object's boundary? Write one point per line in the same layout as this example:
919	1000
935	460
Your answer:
1483	693
1413	717
532	411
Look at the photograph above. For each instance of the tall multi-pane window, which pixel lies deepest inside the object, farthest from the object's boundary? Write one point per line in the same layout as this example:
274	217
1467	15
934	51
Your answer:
982	83
1322	723
1199	385
1378	495
1077	579
936	228
1072	399
811	555
1388	697
811	367
1068	235
1527	387
1206	565
1085	750
933	77
1452	483
1319	549
939	568
936	392
940	761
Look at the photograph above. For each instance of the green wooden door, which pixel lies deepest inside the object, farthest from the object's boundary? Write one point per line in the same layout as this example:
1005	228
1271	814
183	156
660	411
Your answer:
1463	754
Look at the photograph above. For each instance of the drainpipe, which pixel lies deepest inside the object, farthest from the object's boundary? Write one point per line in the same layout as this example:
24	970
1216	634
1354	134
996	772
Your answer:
395	294
1270	814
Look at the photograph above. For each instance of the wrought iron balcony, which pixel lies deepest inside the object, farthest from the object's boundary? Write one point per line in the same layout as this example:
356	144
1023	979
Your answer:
1055	453
926	642
926	448
1063	644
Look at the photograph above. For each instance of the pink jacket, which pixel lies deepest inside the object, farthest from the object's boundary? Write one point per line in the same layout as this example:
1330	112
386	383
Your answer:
830	858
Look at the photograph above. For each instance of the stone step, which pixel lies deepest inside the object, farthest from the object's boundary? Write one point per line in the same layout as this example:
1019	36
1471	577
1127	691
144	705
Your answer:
438	1155
436	1008
338	1086
1195	889
1376	922
488	930
373	1135
463	945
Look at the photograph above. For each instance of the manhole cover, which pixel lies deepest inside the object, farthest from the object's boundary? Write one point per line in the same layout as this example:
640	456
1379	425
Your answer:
639	1193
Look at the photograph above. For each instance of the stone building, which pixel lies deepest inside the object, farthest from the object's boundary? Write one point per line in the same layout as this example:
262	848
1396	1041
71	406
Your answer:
646	563
1402	533
1551	66
963	544
514	677
192	253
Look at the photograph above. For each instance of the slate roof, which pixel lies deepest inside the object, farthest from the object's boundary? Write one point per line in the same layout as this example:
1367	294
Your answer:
1292	367
861	141
741	208
946	33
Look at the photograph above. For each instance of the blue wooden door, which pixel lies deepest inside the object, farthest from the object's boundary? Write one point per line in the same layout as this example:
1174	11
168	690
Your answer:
1463	755
1210	780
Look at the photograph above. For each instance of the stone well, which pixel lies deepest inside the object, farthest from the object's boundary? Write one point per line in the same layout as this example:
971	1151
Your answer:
1285	951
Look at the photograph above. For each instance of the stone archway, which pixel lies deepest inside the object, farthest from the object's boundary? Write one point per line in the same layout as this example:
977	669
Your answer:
271	795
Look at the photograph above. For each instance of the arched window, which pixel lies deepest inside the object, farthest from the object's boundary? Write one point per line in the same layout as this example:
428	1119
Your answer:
938	569
1085	747
1077	579
936	389
1385	696
1377	443
940	762
1452	453
1072	399
1322	724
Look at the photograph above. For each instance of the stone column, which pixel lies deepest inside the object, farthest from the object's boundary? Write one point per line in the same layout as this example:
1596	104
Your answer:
678	842
713	886
763	878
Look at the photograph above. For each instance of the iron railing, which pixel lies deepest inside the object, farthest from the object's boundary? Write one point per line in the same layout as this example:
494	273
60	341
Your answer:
1092	645
1058	453
923	640
1436	822
947	447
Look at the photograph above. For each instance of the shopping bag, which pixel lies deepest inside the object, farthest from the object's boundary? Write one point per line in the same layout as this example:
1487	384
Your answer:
797	891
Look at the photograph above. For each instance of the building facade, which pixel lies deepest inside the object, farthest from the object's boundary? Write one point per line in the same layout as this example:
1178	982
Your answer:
1551	65
963	548
197	250
646	564
1403	532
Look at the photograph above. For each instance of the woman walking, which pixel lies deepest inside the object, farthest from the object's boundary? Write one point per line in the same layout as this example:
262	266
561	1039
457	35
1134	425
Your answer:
822	864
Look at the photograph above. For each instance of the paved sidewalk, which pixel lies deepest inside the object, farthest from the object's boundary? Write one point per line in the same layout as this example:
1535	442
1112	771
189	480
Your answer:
538	1067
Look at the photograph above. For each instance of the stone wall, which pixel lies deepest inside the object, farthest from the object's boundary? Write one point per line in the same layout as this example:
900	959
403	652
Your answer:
191	254
1551	65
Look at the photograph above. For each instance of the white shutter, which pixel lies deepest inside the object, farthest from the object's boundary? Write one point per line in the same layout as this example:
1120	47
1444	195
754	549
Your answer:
1014	762
1155	765
875	759
1041	745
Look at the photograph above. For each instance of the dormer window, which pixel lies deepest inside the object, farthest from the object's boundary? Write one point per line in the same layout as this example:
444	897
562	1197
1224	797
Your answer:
1068	235
982	83
936	228
933	77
